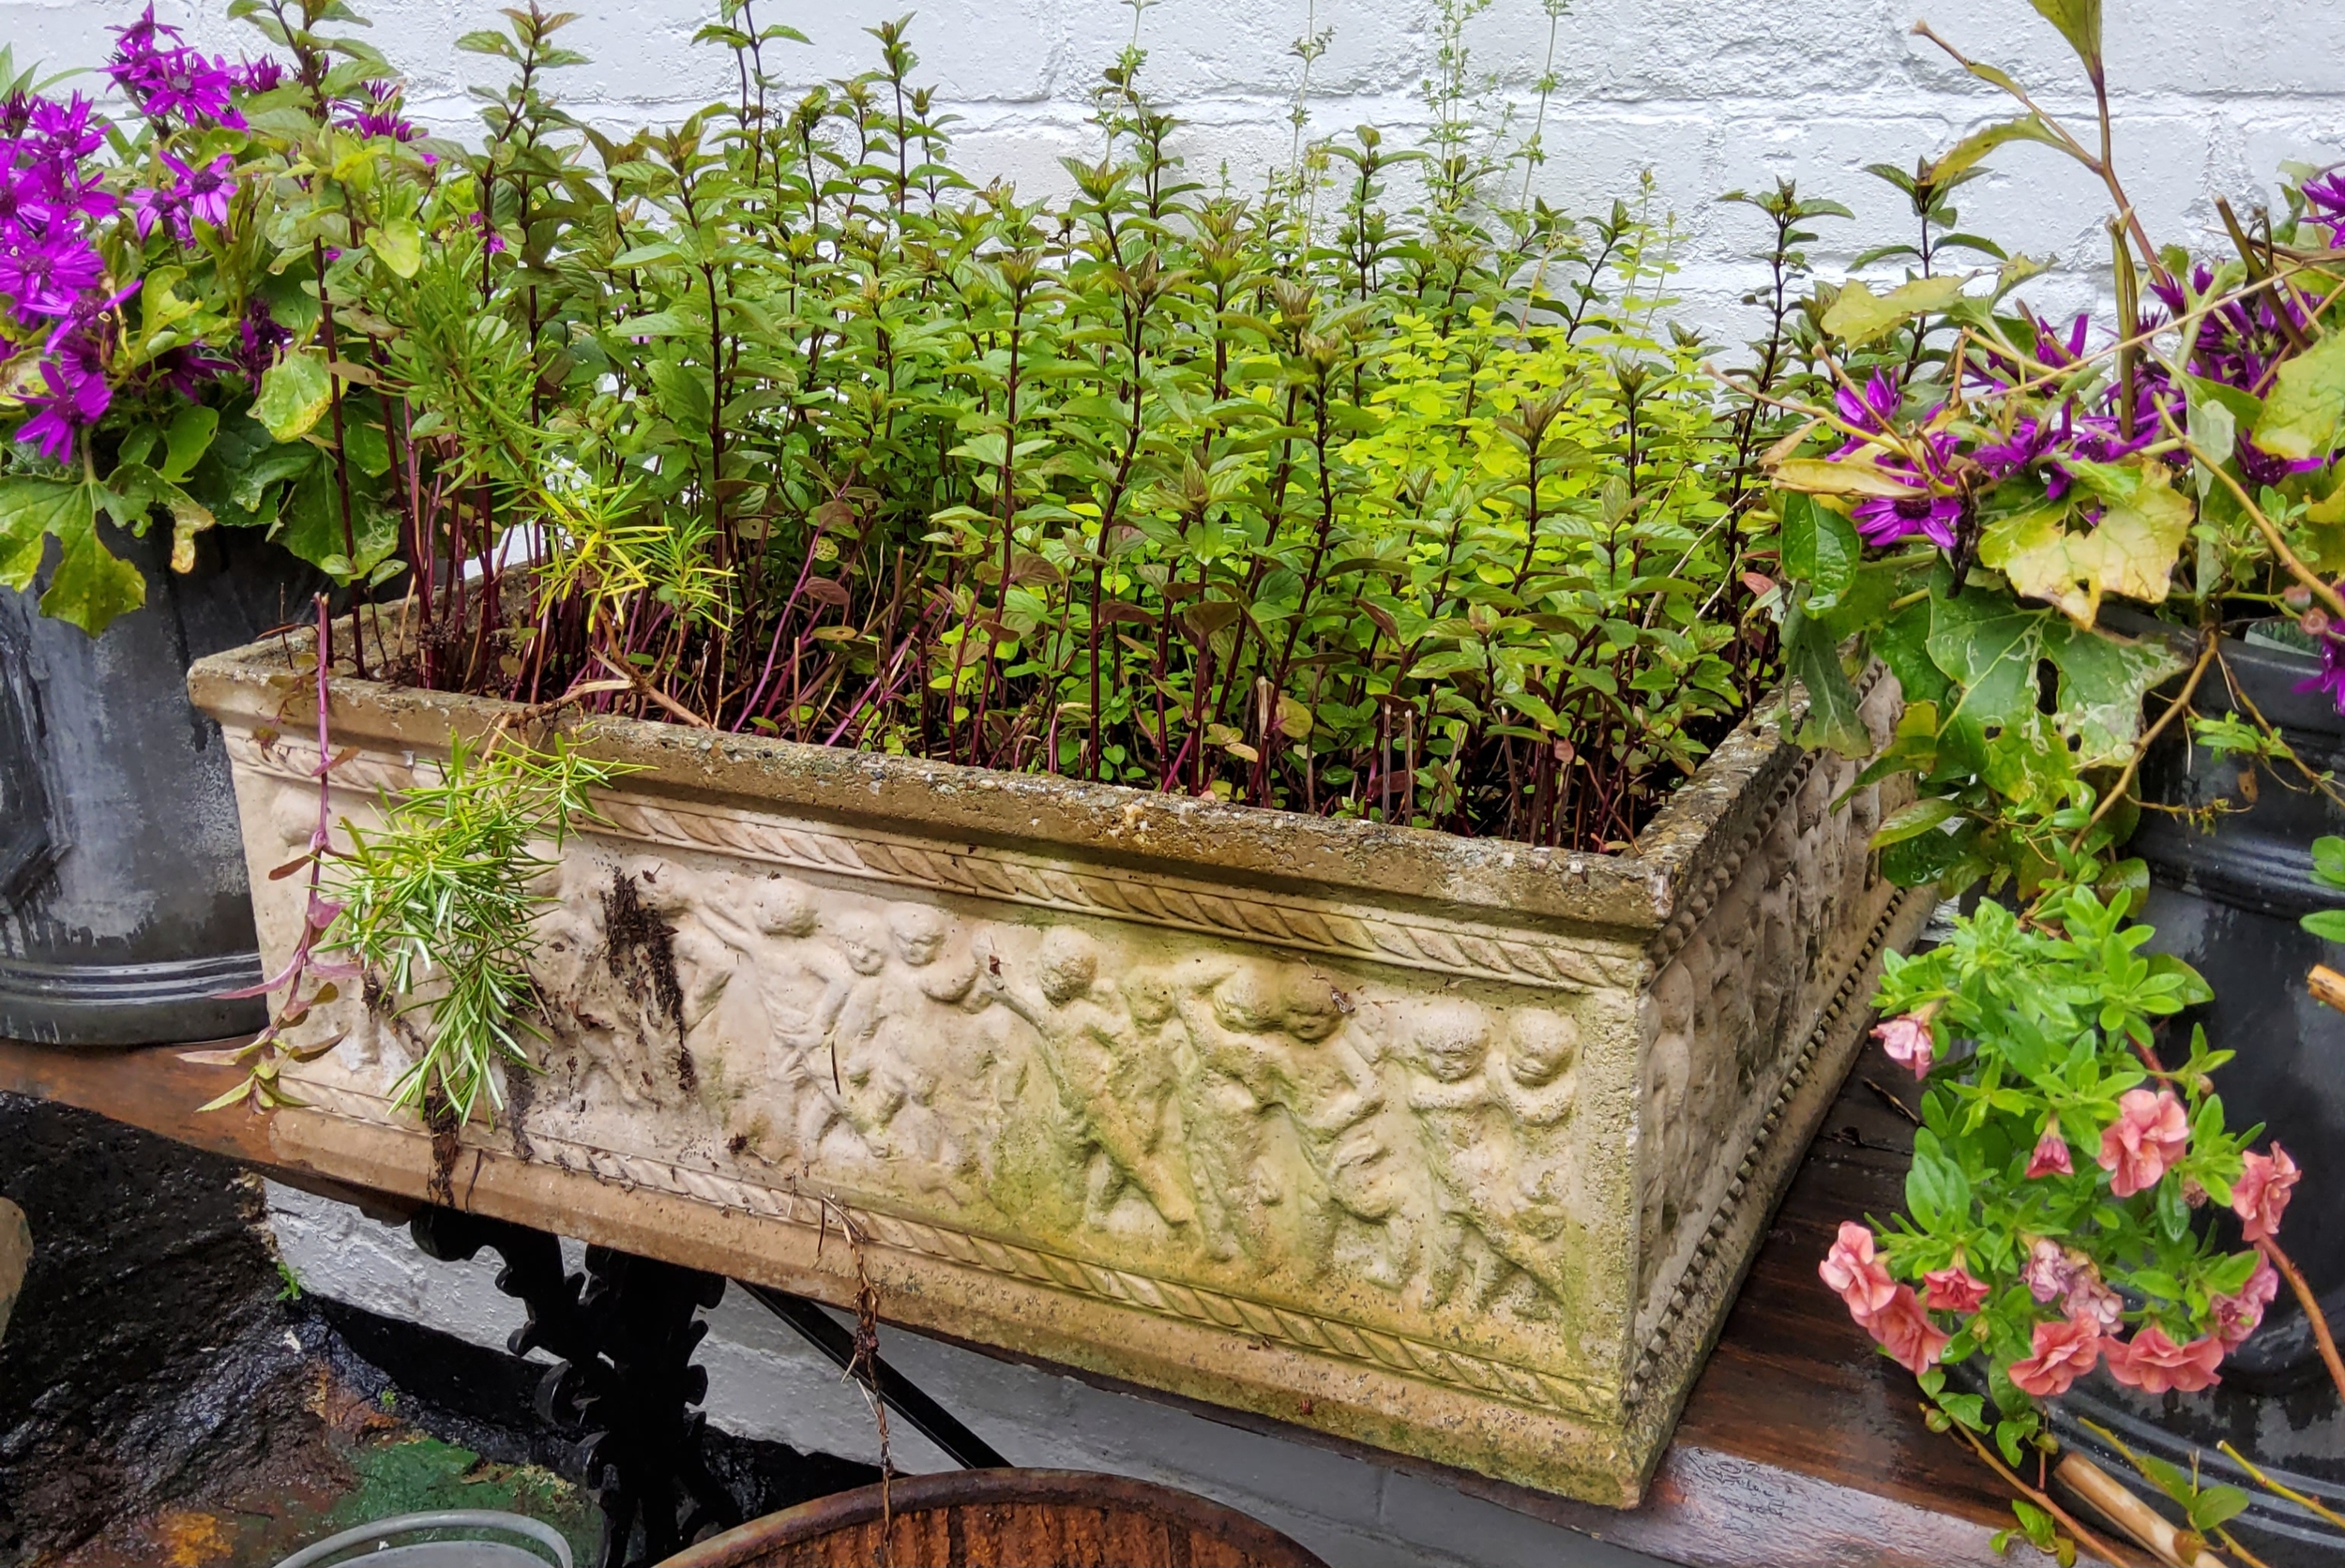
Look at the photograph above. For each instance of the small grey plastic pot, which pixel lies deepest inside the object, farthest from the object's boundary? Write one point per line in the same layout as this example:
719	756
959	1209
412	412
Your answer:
380	1542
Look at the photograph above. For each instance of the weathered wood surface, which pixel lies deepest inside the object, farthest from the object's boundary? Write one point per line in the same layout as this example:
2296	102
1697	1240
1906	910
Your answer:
1799	1444
1003	1519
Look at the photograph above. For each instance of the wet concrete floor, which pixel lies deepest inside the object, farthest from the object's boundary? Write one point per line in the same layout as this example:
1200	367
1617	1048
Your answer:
168	1397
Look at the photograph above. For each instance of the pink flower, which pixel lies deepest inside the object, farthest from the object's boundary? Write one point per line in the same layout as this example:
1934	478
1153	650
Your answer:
1853	1272
2051	1155
2236	1317
2047	1271
1908	1040
2155	1364
2093	1301
2065	1351
2260	1197
1905	1330
1953	1289
2151	1131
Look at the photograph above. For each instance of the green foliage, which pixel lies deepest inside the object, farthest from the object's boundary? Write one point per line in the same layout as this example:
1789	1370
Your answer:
1299	501
438	904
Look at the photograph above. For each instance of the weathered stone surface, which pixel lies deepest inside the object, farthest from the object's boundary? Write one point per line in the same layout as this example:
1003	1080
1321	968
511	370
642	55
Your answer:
1449	1146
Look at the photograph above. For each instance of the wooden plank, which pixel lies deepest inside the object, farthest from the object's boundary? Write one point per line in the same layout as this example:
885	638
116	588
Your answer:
1799	1444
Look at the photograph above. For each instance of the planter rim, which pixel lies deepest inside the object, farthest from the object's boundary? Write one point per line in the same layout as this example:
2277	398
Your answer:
1649	893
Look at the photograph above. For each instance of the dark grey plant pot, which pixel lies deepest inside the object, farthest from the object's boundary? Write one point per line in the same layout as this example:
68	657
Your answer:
2229	902
123	909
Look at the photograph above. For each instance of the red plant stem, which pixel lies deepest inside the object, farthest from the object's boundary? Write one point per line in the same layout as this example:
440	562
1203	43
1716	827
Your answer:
2311	1303
781	623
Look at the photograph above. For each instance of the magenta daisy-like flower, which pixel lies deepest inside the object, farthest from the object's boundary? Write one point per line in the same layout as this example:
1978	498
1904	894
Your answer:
2332	676
1883	520
2325	203
263	75
377	114
45	274
77	398
169	80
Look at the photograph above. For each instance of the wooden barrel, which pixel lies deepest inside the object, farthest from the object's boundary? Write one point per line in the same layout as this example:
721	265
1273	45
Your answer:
1003	1519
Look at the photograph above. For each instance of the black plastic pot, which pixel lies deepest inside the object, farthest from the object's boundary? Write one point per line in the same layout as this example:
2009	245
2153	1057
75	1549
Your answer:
2228	900
124	908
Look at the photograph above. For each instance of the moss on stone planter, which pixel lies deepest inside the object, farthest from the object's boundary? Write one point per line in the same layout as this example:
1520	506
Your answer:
1449	1146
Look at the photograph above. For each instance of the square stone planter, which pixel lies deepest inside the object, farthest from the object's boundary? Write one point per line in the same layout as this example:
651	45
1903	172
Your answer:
1451	1147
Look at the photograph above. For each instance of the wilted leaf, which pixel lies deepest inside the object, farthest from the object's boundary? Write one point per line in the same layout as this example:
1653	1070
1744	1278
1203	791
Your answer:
2307	406
294	393
1859	315
1854	476
399	245
2130	552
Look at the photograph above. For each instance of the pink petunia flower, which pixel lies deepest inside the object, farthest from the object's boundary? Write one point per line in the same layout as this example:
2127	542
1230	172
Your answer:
1905	1330
2093	1302
2237	1316
1854	1272
2050	1157
2150	1133
2065	1351
2153	1364
1908	1041
2260	1197
1953	1289
2048	1273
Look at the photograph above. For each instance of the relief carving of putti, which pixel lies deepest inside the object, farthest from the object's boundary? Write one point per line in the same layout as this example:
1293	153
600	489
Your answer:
1225	1114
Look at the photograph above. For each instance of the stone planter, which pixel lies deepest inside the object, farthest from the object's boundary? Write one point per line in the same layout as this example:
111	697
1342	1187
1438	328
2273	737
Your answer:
1450	1147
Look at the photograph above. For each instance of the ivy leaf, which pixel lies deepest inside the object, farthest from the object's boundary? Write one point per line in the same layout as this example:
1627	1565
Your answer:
2302	416
91	585
2102	681
1820	549
140	489
1833	721
30	511
2130	552
294	393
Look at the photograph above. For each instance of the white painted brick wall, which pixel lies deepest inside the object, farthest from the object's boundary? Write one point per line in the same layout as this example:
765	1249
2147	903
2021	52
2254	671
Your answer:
2212	94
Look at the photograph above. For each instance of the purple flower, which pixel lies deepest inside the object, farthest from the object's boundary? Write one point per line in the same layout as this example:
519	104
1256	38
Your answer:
175	82
196	194
2325	203
258	340
76	399
2332	676
45	274
263	75
62	130
2033	444
377	114
1882	519
1870	411
480	220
